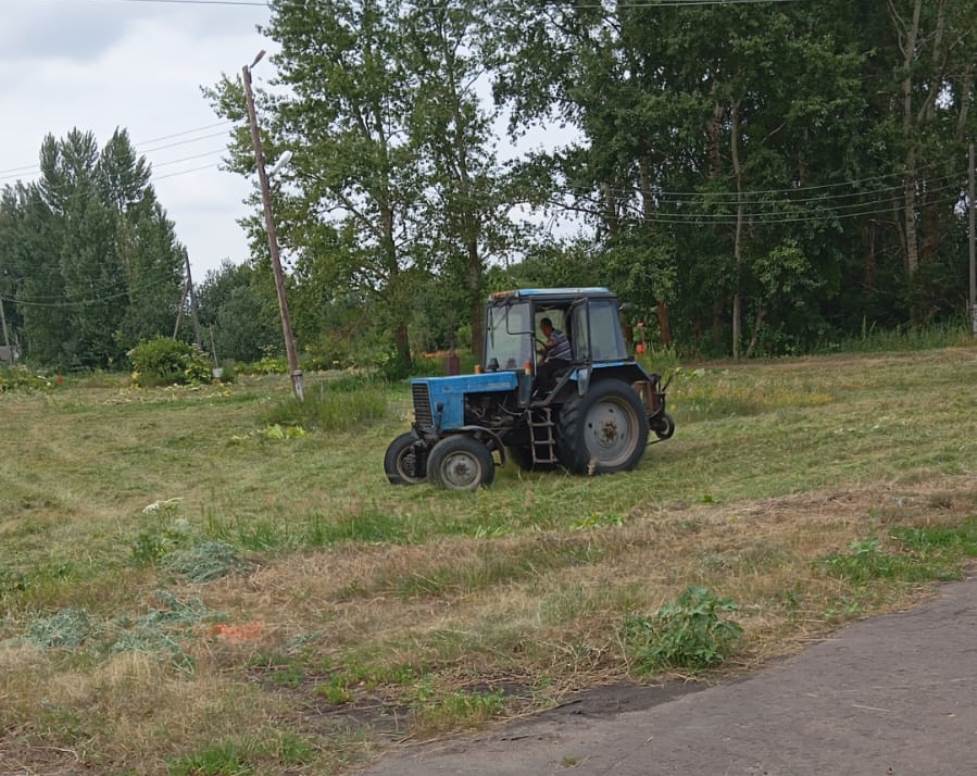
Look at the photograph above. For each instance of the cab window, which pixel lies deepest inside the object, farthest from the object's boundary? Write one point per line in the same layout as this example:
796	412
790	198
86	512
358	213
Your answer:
605	331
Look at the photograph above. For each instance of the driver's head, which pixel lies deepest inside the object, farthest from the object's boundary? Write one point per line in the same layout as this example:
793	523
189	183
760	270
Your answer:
546	325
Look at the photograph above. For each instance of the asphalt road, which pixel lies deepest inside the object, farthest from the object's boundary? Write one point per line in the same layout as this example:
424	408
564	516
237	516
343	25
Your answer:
890	696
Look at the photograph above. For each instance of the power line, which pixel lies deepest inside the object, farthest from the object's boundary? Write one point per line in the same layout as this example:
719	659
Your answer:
37	168
695	220
185	172
191	158
148	141
183	133
827	202
751	192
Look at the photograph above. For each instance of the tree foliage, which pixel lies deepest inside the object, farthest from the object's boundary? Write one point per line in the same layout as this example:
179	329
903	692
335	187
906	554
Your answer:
87	254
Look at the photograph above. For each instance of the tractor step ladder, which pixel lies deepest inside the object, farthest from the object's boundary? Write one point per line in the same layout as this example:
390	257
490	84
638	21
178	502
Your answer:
542	440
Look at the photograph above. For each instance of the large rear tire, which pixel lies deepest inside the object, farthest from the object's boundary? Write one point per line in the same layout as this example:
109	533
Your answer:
604	431
460	462
403	462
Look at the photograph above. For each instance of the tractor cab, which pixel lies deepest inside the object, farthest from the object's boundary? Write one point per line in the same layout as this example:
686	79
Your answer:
589	412
589	317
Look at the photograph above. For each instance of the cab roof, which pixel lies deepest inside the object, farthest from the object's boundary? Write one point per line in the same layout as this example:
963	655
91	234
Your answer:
553	294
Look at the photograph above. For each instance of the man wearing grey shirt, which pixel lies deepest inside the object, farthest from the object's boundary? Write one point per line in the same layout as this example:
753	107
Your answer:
556	355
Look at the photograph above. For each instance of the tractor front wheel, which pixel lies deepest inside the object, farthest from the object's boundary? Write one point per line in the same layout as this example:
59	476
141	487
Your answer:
460	462
604	431
404	462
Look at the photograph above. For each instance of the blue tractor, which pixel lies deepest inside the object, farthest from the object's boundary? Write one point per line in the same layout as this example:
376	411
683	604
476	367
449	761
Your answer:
592	416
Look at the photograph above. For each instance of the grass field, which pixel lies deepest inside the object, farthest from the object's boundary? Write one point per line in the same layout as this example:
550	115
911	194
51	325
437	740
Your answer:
188	585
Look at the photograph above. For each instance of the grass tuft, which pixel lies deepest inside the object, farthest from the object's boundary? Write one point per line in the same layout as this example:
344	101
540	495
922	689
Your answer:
331	409
866	562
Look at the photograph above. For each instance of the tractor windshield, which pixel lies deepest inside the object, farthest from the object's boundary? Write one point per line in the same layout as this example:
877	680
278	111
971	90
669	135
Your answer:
508	337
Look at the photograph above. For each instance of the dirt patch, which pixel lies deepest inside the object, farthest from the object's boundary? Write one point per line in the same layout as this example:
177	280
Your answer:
610	701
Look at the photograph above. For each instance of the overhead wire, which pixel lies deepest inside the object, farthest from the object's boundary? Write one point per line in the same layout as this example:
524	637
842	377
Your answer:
729	220
189	141
826	203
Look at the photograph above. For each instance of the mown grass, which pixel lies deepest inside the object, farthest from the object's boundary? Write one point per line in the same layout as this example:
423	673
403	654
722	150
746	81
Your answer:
337	612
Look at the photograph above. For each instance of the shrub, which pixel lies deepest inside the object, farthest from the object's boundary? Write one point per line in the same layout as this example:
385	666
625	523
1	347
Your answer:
19	378
166	361
331	409
689	632
269	365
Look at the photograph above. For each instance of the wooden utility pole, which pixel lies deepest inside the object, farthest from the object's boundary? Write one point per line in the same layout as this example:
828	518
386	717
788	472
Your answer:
194	307
276	262
973	242
179	310
6	335
737	244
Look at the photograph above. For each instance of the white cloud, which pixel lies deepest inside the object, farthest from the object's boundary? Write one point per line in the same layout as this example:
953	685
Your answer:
99	64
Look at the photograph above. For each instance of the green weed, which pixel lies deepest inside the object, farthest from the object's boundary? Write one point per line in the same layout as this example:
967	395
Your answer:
690	632
335	691
226	759
459	709
955	539
330	410
866	562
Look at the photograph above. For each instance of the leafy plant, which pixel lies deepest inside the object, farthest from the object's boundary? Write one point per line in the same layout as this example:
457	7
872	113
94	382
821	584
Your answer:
166	361
67	628
160	537
20	378
690	632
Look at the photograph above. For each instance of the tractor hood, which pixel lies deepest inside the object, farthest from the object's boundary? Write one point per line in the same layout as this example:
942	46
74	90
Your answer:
440	401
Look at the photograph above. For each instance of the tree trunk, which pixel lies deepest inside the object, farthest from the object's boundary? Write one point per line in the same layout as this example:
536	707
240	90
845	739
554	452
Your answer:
757	325
402	343
610	208
664	322
907	42
477	306
737	244
870	259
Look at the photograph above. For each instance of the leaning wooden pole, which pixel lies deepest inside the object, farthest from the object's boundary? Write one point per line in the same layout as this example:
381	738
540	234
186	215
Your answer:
276	263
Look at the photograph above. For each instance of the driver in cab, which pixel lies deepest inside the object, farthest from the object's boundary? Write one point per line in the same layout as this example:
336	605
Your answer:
556	354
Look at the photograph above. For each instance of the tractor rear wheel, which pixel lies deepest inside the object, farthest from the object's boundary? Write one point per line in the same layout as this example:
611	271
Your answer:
460	462
404	462
604	431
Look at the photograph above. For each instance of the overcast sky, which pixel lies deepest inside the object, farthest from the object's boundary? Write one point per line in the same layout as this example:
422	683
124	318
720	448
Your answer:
99	64
102	64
